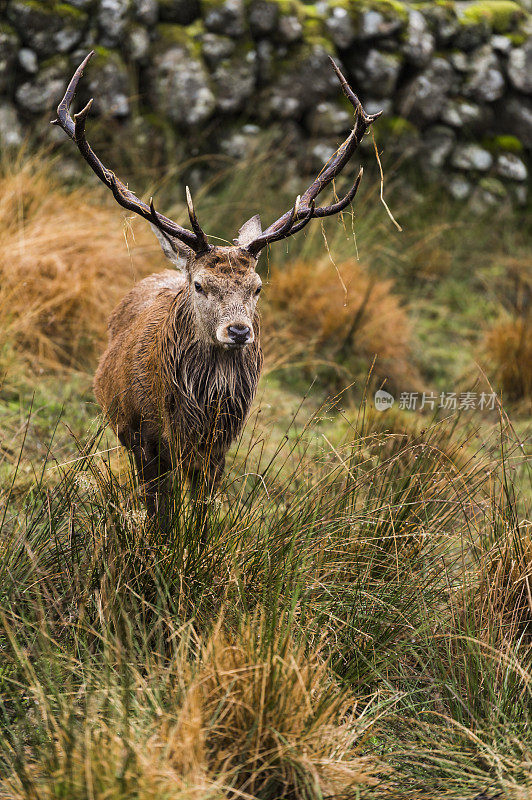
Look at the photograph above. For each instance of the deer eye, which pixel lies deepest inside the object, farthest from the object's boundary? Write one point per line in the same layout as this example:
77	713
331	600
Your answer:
198	287
258	290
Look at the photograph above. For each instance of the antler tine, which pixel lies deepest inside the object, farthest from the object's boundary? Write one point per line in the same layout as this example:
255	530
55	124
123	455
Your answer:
286	225
335	208
281	233
75	128
196	227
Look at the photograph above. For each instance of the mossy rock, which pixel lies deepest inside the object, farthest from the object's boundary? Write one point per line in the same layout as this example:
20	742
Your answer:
505	143
397	128
47	28
189	37
517	38
501	15
390	9
104	56
494	186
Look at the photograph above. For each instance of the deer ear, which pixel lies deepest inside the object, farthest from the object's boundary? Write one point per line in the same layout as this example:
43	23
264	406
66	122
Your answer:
249	231
174	250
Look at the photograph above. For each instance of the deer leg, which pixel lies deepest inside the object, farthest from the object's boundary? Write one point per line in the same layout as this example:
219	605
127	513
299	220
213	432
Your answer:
153	469
203	481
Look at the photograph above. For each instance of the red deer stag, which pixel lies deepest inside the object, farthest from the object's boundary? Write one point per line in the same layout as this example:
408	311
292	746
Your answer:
183	358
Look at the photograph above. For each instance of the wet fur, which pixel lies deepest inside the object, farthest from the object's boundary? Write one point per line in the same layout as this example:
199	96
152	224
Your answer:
174	399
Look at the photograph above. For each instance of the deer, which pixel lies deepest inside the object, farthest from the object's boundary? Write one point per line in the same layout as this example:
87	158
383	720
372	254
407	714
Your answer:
184	358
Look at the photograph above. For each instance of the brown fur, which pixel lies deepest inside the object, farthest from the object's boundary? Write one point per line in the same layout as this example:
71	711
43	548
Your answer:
175	395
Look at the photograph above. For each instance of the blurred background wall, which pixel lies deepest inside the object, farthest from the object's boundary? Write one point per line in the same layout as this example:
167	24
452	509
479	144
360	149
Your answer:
183	78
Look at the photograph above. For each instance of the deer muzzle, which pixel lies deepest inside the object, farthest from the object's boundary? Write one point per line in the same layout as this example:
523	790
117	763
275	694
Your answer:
235	334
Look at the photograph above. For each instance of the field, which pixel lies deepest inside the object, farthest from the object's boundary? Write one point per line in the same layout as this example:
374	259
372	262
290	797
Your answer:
359	621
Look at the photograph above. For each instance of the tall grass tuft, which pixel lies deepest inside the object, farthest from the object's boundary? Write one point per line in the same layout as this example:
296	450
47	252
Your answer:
64	265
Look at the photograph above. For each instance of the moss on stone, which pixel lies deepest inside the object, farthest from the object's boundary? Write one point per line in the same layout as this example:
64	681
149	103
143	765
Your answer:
500	15
7	30
505	143
517	38
103	55
390	9
189	36
494	186
62	10
397	127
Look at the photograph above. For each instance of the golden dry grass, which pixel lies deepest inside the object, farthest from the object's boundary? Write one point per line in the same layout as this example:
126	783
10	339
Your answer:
241	720
338	314
64	263
508	347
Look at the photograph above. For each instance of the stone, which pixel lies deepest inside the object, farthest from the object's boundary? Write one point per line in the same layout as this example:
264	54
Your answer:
182	12
298	89
321	152
520	67
241	144
263	17
517	115
146	12
470	36
290	29
216	48
138	43
438	142
108	84
460	113
28	60
46	30
374	25
112	20
9	45
424	95
485	82
420	43
472	157
459	187
234	83
521	194
442	21
340	27
501	44
83	5
45	90
180	87
228	19
10	127
377	74
384	104
329	118
489	194
459	61
512	167
265	61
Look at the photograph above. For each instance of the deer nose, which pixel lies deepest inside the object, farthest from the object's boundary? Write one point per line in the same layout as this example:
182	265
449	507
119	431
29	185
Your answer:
240	334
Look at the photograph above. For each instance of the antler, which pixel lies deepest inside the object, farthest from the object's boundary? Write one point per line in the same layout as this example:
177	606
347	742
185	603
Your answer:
75	128
304	210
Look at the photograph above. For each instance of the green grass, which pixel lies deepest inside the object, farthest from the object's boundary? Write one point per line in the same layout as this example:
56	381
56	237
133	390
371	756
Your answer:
358	623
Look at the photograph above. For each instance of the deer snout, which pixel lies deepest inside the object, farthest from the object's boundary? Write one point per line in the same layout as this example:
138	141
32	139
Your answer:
236	334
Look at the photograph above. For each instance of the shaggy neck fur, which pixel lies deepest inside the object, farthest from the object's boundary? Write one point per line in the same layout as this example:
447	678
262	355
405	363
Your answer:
208	390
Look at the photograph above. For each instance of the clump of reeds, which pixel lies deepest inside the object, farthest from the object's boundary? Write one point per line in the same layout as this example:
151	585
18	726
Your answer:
339	315
508	346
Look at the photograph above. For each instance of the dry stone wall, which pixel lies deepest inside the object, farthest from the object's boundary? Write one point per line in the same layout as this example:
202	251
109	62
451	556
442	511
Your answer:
454	79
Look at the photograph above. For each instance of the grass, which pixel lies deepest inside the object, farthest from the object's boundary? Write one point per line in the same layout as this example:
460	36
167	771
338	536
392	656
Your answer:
359	622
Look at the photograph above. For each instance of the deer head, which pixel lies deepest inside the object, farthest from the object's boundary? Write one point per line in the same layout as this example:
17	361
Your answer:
222	282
